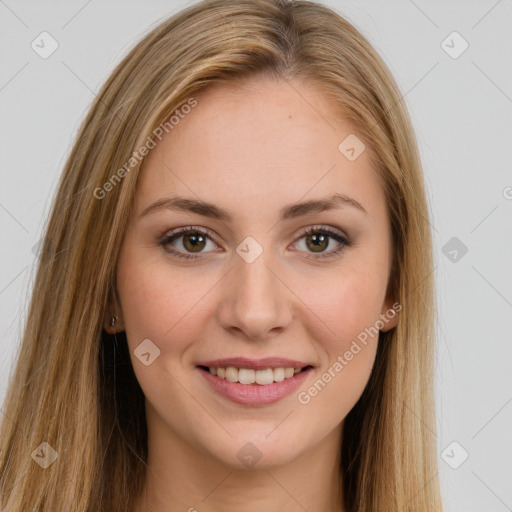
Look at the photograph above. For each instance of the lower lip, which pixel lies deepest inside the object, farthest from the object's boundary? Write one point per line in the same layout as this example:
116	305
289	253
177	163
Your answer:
255	394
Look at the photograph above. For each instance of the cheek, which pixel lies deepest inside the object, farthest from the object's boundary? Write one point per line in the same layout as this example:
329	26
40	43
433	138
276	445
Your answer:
344	305
164	304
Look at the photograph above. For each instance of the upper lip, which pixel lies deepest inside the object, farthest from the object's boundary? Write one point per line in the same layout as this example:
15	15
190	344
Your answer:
254	364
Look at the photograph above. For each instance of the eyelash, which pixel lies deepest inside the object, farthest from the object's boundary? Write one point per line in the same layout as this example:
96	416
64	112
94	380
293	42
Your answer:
173	235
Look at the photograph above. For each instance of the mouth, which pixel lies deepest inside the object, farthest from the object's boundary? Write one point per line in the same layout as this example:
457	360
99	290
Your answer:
254	387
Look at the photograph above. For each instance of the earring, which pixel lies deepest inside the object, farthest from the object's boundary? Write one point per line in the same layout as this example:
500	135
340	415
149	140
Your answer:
110	329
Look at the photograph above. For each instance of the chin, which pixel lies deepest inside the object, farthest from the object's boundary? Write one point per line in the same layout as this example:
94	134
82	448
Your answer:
256	452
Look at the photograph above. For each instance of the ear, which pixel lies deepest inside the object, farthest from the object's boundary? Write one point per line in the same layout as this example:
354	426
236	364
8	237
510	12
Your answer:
389	314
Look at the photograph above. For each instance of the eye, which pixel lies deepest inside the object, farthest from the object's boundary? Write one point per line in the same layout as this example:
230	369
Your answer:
318	239
195	240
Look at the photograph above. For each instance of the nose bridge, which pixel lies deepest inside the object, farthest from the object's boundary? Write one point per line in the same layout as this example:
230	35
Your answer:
256	281
255	299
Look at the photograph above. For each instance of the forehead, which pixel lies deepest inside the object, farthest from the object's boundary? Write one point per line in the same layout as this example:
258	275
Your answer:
249	146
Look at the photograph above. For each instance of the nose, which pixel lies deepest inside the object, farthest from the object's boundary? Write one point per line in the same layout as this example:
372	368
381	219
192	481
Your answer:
255	303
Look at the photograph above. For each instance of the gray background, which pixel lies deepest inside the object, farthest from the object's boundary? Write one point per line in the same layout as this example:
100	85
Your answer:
462	112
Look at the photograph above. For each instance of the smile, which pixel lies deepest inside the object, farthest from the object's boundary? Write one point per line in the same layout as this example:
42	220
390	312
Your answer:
254	387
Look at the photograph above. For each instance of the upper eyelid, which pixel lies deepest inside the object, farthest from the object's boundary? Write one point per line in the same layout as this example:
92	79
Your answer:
186	229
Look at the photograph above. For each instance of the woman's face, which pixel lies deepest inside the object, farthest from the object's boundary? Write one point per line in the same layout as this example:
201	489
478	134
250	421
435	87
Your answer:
257	285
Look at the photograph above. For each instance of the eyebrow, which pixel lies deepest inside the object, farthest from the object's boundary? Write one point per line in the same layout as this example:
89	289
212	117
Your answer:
336	201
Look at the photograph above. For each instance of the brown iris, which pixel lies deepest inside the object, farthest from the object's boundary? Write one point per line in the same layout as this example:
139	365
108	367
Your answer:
319	242
194	242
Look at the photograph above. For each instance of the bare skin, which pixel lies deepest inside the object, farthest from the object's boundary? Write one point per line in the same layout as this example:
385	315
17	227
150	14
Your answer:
253	150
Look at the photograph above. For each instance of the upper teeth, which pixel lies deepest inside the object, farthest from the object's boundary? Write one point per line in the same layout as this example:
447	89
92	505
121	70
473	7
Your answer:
249	376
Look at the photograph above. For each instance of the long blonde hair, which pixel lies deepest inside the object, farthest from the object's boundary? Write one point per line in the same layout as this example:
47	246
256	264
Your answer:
73	386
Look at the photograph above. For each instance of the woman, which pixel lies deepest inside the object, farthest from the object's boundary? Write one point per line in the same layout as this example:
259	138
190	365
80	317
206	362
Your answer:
234	304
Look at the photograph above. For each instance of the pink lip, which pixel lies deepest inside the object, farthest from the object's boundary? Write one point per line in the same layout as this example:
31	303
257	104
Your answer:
255	394
254	364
